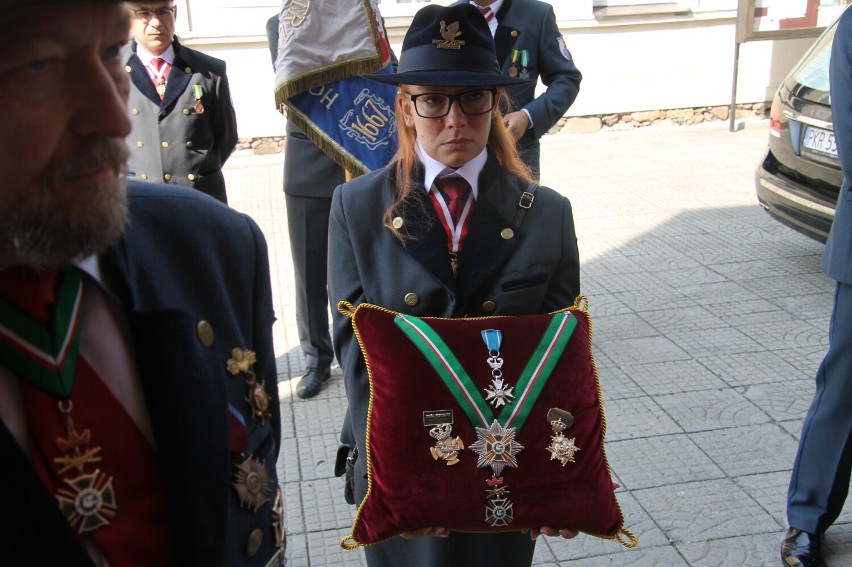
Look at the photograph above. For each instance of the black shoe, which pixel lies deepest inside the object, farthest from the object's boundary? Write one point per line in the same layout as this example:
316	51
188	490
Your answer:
311	383
801	549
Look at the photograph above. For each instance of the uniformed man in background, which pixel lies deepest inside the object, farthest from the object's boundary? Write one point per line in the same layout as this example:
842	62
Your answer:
530	46
184	125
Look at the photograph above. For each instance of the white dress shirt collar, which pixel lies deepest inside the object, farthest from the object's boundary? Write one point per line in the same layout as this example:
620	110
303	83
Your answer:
92	266
168	55
470	171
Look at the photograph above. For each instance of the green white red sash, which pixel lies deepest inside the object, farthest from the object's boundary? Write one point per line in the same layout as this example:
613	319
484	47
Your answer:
46	357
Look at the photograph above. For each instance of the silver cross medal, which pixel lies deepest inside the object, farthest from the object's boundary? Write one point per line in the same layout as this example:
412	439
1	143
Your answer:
498	394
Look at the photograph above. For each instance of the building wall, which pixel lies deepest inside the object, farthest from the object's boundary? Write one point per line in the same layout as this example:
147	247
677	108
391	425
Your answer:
672	56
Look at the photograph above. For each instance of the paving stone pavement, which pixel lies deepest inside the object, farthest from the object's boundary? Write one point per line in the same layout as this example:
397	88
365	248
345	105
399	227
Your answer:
710	319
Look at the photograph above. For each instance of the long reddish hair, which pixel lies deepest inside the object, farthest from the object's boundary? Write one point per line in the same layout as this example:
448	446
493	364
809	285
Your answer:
500	142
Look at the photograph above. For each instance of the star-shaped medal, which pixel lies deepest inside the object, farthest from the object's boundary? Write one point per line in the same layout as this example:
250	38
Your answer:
562	448
496	447
253	484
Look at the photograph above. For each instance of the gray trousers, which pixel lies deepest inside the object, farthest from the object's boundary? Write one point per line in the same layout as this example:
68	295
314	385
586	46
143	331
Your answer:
307	224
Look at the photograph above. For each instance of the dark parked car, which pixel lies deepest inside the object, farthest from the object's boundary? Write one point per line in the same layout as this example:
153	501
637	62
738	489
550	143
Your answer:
799	179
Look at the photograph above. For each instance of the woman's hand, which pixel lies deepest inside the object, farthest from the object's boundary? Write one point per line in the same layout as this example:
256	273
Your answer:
426	532
565	533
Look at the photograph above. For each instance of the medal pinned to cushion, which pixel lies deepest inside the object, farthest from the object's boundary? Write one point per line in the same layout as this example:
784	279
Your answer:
486	424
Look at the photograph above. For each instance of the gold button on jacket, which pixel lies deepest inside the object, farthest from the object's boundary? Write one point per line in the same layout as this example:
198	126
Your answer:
205	333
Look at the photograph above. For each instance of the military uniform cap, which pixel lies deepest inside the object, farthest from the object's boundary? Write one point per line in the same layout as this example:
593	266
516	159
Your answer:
448	46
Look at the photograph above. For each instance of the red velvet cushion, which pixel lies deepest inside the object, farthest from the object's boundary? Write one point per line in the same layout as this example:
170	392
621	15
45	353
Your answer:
409	489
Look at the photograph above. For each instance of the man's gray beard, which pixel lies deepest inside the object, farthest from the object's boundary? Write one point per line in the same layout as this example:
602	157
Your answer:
42	236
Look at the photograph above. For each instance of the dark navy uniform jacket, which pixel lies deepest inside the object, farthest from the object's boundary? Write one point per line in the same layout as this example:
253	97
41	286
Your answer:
169	278
837	261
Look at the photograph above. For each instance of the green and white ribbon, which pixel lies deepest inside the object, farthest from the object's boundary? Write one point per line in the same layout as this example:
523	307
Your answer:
530	384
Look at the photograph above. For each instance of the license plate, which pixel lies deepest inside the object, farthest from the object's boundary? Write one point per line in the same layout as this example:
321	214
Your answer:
820	140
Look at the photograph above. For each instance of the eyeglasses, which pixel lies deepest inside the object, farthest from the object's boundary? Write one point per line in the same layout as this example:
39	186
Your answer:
437	105
159	13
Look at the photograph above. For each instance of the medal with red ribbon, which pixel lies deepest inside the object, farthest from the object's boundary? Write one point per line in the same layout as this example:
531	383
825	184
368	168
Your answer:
47	357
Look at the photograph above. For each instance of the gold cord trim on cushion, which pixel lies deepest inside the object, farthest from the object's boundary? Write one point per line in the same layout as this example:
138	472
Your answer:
581	302
623	536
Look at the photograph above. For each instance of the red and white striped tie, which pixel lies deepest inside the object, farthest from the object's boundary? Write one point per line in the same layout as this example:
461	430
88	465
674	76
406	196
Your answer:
158	70
455	191
486	11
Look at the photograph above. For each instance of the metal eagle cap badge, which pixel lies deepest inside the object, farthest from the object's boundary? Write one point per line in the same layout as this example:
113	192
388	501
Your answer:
449	33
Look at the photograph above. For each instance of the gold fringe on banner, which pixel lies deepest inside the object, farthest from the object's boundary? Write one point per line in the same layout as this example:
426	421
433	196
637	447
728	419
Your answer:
296	85
334	150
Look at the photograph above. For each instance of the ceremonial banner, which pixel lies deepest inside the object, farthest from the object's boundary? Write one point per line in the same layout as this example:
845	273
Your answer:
323	45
